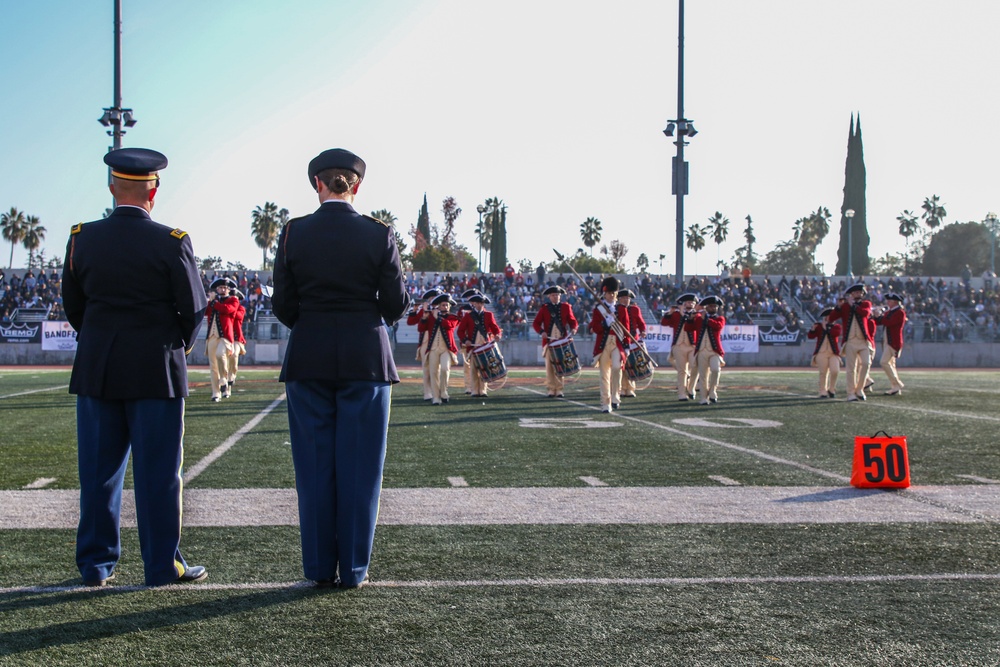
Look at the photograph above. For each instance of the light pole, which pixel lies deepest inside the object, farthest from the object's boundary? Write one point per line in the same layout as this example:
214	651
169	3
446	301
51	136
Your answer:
991	221
115	116
481	209
849	214
684	128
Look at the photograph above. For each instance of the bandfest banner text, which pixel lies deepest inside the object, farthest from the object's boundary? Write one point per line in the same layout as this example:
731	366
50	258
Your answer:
737	338
58	336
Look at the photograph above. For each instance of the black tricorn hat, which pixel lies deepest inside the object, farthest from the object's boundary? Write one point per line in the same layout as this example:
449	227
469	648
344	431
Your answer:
443	298
711	300
856	287
430	294
555	289
826	312
335	158
687	296
479	297
222	282
626	292
894	296
469	292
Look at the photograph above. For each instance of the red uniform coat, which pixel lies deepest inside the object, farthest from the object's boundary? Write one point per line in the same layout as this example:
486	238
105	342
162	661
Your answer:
637	325
857	315
449	323
238	317
225	310
893	321
467	328
543	320
708	328
602	329
678	321
829	331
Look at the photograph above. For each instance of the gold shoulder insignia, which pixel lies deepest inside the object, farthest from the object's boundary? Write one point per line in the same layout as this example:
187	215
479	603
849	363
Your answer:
77	228
381	222
178	233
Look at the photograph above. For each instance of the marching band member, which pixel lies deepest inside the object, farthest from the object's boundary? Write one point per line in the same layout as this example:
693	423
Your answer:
826	355
637	327
709	356
892	320
413	318
683	344
467	370
476	328
439	349
610	324
240	344
857	343
555	320
219	342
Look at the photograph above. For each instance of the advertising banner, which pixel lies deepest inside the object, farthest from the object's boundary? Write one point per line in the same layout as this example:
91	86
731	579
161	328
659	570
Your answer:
58	336
780	336
739	338
21	333
658	338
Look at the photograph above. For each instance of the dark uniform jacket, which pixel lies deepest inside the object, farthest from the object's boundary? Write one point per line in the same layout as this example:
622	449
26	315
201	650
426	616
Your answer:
337	282
132	292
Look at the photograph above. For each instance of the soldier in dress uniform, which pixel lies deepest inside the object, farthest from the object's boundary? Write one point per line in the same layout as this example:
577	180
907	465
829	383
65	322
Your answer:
130	371
892	320
554	321
637	327
467	370
609	323
413	319
478	327
709	352
337	283
826	355
240	344
439	345
221	336
683	343
857	344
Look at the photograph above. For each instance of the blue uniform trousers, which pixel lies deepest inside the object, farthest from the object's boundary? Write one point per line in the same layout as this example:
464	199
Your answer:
338	435
153	430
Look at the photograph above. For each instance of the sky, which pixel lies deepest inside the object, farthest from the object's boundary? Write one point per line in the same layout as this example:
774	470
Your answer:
555	106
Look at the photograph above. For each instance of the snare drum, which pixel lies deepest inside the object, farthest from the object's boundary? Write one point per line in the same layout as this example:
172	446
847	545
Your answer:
637	366
489	362
562	354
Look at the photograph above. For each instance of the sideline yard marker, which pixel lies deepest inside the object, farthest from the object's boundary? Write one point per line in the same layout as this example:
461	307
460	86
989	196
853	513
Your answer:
40	483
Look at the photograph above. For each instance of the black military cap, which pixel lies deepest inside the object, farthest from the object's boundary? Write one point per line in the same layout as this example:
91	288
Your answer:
430	294
482	298
469	292
711	300
443	298
894	297
610	284
856	287
222	282
688	296
135	164
826	312
335	158
555	289
626	292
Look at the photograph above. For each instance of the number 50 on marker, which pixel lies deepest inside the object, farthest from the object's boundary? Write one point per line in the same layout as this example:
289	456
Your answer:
880	463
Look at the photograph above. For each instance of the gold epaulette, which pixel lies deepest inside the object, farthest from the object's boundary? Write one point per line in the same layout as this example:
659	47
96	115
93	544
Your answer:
76	229
381	222
178	233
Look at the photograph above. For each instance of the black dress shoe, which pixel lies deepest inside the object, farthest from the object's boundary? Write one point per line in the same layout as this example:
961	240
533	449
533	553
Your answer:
98	583
193	573
361	584
832	394
325	583
614	406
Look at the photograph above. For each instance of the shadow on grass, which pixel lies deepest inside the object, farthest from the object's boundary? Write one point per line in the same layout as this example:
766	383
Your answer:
842	493
61	634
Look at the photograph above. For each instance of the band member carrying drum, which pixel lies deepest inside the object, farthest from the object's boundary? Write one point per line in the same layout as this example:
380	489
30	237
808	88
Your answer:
477	328
637	327
439	348
683	343
708	350
467	367
609	322
826	355
556	323
413	318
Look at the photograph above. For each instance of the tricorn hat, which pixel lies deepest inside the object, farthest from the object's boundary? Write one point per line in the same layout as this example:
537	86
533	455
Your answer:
443	298
555	289
222	282
687	296
856	287
893	296
711	300
482	298
626	292
430	294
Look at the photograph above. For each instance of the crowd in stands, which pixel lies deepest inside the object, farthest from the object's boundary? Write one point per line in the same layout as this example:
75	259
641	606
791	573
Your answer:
938	309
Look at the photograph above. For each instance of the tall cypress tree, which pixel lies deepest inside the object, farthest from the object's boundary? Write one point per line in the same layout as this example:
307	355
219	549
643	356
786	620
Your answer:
854	198
423	226
498	241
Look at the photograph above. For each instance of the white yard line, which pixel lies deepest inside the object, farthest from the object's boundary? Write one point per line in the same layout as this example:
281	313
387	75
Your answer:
35	391
40	483
892	403
674	582
214	455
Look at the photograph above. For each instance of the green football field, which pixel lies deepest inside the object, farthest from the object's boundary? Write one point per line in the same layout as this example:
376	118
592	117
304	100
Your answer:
523	530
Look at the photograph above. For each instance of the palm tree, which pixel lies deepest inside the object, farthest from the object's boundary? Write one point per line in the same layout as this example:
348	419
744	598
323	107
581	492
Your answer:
908	226
934	213
265	227
696	240
720	232
34	234
385	215
12	228
590	232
